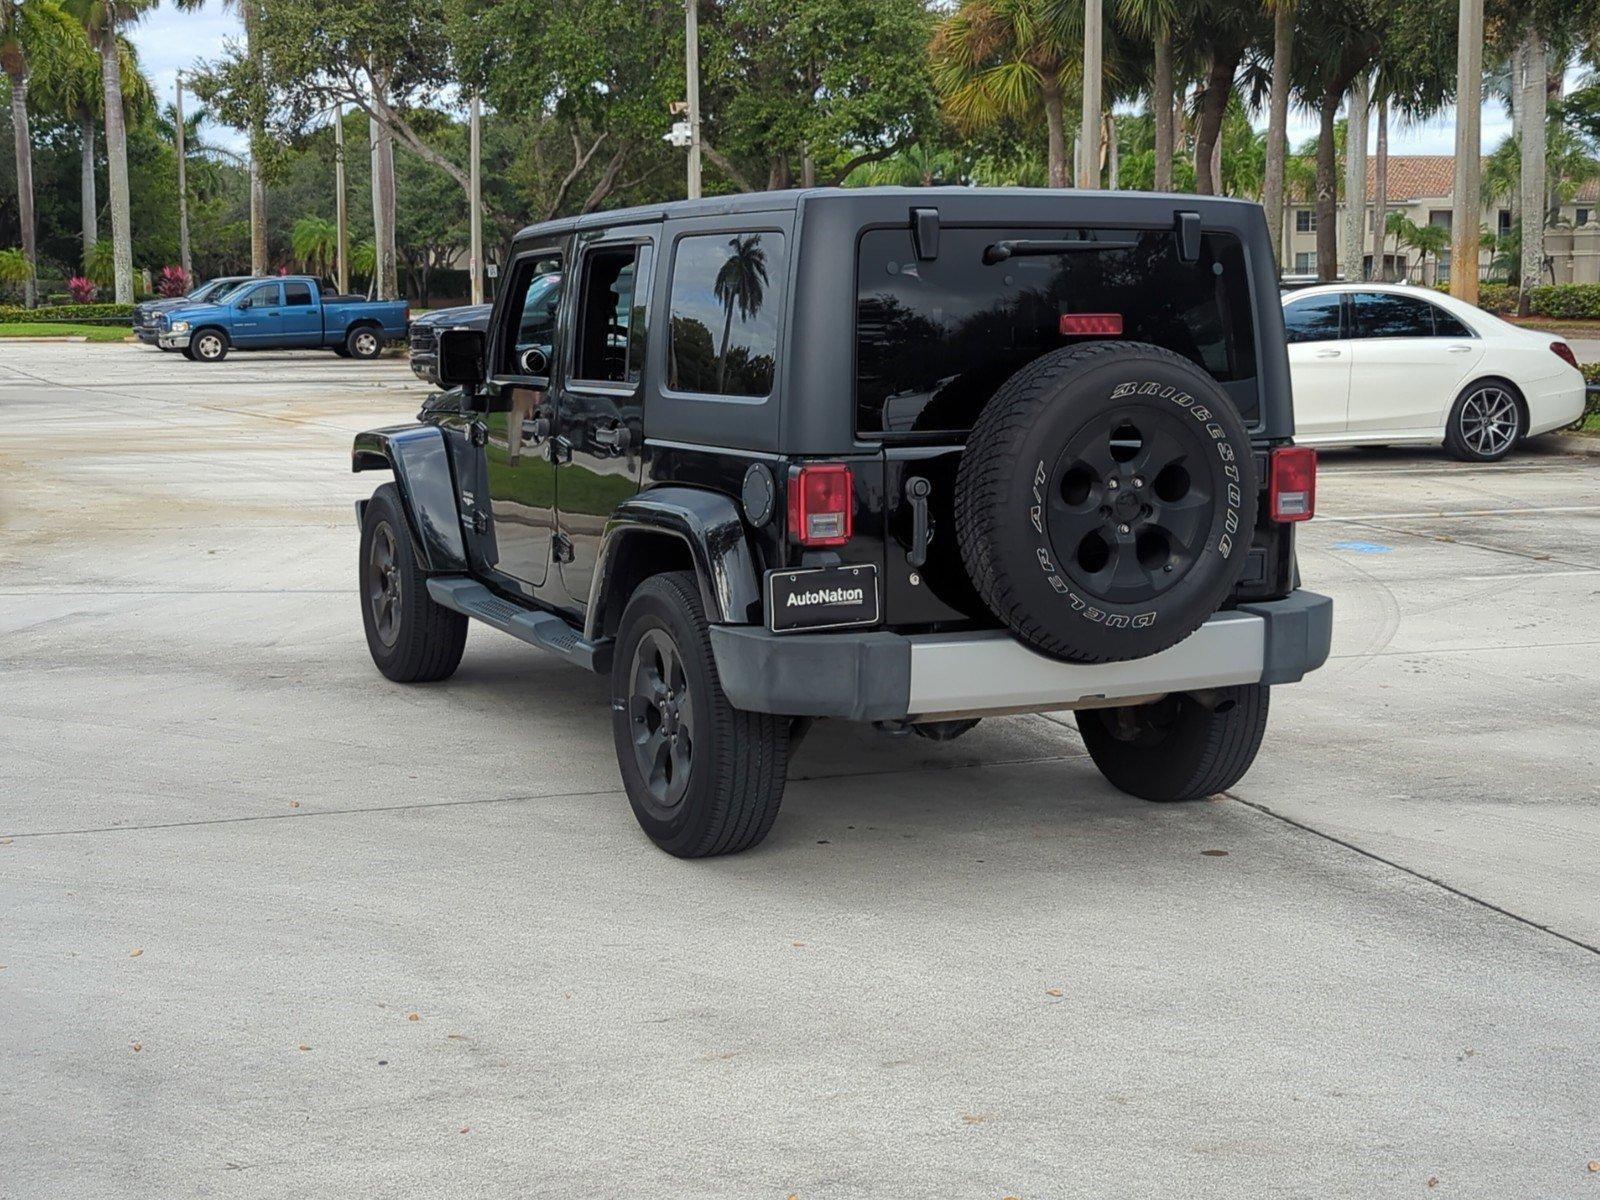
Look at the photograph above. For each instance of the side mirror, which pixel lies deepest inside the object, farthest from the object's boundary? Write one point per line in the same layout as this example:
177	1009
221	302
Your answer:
461	358
243	304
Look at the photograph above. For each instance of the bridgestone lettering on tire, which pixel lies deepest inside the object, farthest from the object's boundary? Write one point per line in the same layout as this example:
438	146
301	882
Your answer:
1105	502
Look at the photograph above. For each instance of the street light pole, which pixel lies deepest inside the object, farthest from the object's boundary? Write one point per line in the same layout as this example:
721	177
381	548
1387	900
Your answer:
340	204
183	187
1467	208
475	199
691	62
1089	129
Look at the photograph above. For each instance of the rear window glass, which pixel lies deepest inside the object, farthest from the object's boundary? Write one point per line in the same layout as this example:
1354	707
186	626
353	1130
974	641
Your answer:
934	340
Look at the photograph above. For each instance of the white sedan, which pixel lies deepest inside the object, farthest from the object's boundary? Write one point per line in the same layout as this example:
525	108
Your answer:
1393	365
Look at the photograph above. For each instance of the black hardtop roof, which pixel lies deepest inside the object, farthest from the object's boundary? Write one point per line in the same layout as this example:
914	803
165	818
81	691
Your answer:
955	203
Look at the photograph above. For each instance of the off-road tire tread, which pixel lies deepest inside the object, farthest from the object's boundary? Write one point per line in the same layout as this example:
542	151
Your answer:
432	637
1231	742
750	751
987	466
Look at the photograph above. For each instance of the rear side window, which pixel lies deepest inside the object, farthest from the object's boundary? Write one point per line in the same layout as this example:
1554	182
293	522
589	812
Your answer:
723	314
1315	319
1383	315
936	339
297	295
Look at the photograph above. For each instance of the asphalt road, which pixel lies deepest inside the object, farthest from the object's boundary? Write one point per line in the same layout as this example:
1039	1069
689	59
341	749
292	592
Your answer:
271	926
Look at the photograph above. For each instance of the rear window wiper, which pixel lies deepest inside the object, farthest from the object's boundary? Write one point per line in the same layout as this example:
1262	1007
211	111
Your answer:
1020	247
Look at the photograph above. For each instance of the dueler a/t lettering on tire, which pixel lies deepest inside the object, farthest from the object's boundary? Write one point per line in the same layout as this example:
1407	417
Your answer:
1105	502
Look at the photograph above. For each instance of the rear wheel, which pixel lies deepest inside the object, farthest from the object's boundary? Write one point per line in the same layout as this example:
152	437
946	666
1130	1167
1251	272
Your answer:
209	345
363	342
412	639
702	776
1182	747
1485	423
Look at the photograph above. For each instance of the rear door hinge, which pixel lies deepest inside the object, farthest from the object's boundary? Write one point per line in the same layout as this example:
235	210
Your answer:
561	547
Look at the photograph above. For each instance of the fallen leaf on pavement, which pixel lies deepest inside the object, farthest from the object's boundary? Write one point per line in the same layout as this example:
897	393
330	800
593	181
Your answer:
1052	991
138	1046
466	1129
1433	1181
414	1017
976	1118
1594	1166
294	804
305	1047
135	953
1215	853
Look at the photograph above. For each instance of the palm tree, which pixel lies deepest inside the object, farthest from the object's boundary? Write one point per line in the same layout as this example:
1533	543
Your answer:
1278	118
1222	31
999	59
104	19
34	34
918	165
314	241
15	268
1156	20
741	283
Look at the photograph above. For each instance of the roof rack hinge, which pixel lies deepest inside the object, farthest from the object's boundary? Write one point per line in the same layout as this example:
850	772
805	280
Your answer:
925	232
1187	226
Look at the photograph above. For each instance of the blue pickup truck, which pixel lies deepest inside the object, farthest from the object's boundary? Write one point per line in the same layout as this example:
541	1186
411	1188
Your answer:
146	316
290	312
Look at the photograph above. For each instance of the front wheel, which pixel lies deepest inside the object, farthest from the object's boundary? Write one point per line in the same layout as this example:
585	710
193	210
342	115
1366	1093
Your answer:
412	638
364	342
209	345
1485	423
1182	747
702	777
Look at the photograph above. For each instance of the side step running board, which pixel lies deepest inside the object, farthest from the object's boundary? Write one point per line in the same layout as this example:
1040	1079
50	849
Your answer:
542	629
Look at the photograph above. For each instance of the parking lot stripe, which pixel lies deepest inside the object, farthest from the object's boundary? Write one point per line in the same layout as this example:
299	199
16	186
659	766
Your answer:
1453	513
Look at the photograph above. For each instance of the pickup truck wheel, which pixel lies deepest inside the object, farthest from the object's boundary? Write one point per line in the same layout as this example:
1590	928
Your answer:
702	777
1105	502
364	342
1182	747
209	345
412	639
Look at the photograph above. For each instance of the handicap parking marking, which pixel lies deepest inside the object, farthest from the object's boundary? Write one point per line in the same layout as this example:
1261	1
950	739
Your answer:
1364	547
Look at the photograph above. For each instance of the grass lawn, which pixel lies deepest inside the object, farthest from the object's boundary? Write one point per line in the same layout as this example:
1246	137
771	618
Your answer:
95	333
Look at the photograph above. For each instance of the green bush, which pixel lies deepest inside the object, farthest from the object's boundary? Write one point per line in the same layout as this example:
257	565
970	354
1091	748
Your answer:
1497	297
13	313
1569	301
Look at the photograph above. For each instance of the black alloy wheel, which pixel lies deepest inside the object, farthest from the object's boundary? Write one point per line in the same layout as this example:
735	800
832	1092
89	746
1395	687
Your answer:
383	584
661	711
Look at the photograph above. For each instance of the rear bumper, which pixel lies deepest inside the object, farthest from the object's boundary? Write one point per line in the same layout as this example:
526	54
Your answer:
1555	403
876	675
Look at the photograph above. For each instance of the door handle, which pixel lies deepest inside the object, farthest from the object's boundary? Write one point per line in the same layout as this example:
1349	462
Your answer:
1329	353
536	430
917	490
1460	349
616	438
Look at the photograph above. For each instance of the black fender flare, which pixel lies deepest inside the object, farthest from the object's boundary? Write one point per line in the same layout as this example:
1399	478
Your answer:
420	460
709	524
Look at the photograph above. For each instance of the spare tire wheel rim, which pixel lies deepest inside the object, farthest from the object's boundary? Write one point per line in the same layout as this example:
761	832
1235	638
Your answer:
1129	504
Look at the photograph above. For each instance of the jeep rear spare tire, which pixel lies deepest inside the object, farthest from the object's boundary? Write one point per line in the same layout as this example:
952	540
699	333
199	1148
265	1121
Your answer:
1105	502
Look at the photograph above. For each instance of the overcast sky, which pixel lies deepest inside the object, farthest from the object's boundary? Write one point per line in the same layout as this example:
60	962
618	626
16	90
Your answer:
170	41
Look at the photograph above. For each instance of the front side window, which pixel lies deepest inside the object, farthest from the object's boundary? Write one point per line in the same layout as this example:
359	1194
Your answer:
297	295
609	344
936	338
1384	315
263	296
1314	319
528	333
723	317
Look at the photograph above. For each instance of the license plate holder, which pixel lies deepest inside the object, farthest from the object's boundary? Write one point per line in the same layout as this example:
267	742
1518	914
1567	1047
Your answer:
808	598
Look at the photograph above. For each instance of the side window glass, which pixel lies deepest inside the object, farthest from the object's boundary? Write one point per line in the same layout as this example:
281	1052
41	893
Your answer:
528	337
723	318
265	296
1312	320
1384	315
297	295
609	342
1445	325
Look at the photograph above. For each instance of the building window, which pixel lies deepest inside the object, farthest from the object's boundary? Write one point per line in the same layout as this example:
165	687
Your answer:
1305	220
1584	216
1503	223
1441	217
1305	263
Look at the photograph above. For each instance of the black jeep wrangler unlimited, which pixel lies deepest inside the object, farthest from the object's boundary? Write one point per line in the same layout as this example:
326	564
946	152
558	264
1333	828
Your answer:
910	456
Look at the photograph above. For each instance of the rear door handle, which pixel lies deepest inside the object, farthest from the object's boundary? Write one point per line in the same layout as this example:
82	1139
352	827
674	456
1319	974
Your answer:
1329	353
1460	349
917	491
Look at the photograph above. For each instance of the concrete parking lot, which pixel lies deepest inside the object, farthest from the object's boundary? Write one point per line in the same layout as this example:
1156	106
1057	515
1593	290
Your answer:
271	926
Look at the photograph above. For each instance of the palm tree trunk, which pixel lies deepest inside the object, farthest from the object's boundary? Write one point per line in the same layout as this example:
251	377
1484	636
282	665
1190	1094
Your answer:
258	140
1355	177
1278	122
1213	108
23	145
1161	108
90	203
1380	199
1327	190
1535	101
117	164
1055	124
385	281
722	355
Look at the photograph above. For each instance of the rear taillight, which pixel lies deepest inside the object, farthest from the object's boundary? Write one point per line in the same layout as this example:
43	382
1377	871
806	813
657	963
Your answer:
821	497
1294	483
1565	354
1091	324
